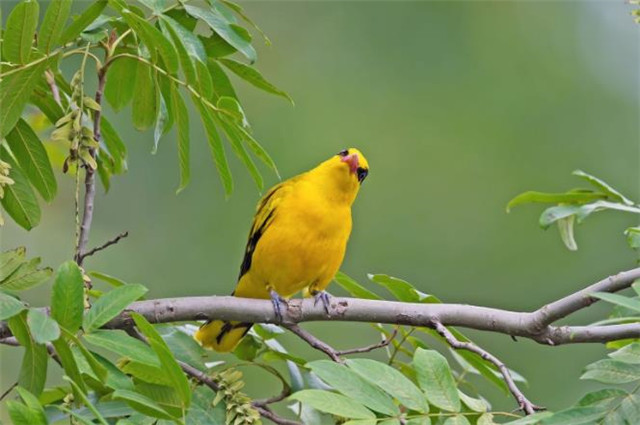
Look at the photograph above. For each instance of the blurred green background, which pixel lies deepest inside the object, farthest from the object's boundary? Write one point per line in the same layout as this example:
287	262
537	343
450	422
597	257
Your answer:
458	107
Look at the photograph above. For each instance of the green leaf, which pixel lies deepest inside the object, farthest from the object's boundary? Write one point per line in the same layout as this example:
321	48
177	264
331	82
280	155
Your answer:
186	349
628	354
401	289
475	404
565	227
216	47
574	416
205	83
33	370
630	408
236	144
391	381
115	378
633	237
600	184
602	397
110	305
147	373
32	403
221	26
87	362
86	401
571	197
191	42
121	84
20	29
9	306
47	104
113	281
27	276
354	288
154	40
169	364
336	404
43	328
485	419
612	372
435	378
156	6
146	102
553	214
258	150
531	419
185	60
232	110
353	386
457	420
166	396
15	91
182	121
550	215
141	403
114	144
19	201
215	144
10	261
68	361
53	24
67	299
81	22
630	303
221	83
32	157
252	76
161	124
121	343
23	415
424	420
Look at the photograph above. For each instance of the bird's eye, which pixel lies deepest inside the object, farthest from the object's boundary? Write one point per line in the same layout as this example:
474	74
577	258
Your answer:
362	174
344	152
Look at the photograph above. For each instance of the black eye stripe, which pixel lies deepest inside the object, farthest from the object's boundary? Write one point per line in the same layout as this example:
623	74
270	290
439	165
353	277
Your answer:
344	152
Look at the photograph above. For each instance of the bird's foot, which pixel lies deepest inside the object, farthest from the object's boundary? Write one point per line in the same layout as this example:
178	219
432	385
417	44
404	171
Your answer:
277	302
322	296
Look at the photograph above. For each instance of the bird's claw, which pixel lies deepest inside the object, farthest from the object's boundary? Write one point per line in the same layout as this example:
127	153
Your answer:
277	302
322	296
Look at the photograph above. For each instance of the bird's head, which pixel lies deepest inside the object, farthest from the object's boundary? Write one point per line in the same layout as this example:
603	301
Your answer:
343	173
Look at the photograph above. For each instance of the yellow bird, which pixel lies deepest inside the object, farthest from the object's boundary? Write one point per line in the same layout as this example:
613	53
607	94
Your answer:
297	241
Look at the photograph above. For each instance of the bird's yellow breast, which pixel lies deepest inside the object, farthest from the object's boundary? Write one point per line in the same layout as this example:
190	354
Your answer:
303	245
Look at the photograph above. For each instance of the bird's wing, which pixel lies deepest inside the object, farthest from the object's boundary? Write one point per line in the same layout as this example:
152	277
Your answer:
266	211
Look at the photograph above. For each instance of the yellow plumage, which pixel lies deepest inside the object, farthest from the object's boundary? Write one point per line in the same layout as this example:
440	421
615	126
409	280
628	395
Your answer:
297	240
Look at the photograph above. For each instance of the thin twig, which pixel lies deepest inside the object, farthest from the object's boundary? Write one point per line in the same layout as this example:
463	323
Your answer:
286	392
528	407
199	376
104	245
265	412
48	75
371	347
90	176
398	346
314	342
6	393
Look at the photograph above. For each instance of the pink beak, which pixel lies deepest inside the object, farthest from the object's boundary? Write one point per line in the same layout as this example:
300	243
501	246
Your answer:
353	162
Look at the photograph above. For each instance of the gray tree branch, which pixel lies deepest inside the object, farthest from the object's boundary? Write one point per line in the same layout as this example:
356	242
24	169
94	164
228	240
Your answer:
533	325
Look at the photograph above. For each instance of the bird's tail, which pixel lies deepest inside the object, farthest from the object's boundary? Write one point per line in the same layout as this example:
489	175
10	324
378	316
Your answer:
220	335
